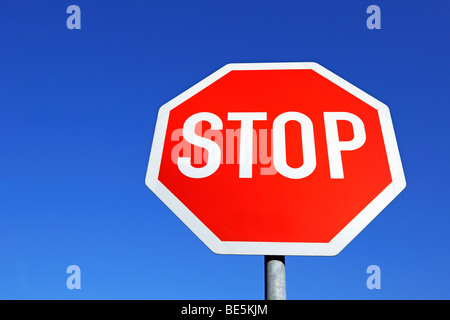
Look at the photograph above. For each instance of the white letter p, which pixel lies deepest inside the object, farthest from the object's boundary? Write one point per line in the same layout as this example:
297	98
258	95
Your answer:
335	146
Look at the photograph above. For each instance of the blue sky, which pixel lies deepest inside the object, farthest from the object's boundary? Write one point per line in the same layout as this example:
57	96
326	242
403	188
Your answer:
77	115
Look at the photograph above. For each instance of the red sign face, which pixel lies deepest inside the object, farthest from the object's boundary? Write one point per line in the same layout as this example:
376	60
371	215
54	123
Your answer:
276	158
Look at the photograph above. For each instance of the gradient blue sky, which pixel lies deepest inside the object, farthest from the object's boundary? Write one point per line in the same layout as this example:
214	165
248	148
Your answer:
77	115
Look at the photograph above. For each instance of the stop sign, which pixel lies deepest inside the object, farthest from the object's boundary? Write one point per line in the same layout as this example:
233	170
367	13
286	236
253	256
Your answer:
275	159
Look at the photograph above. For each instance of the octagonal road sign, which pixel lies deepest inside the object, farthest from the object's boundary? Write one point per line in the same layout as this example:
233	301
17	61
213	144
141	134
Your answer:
275	159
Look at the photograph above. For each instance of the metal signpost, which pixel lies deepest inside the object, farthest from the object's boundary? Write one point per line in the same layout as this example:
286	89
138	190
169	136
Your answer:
275	159
275	277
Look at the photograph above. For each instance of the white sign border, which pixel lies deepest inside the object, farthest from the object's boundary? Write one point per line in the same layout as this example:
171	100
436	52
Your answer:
347	234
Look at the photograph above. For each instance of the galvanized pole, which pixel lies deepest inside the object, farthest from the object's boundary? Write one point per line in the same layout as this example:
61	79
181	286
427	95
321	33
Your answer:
275	277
